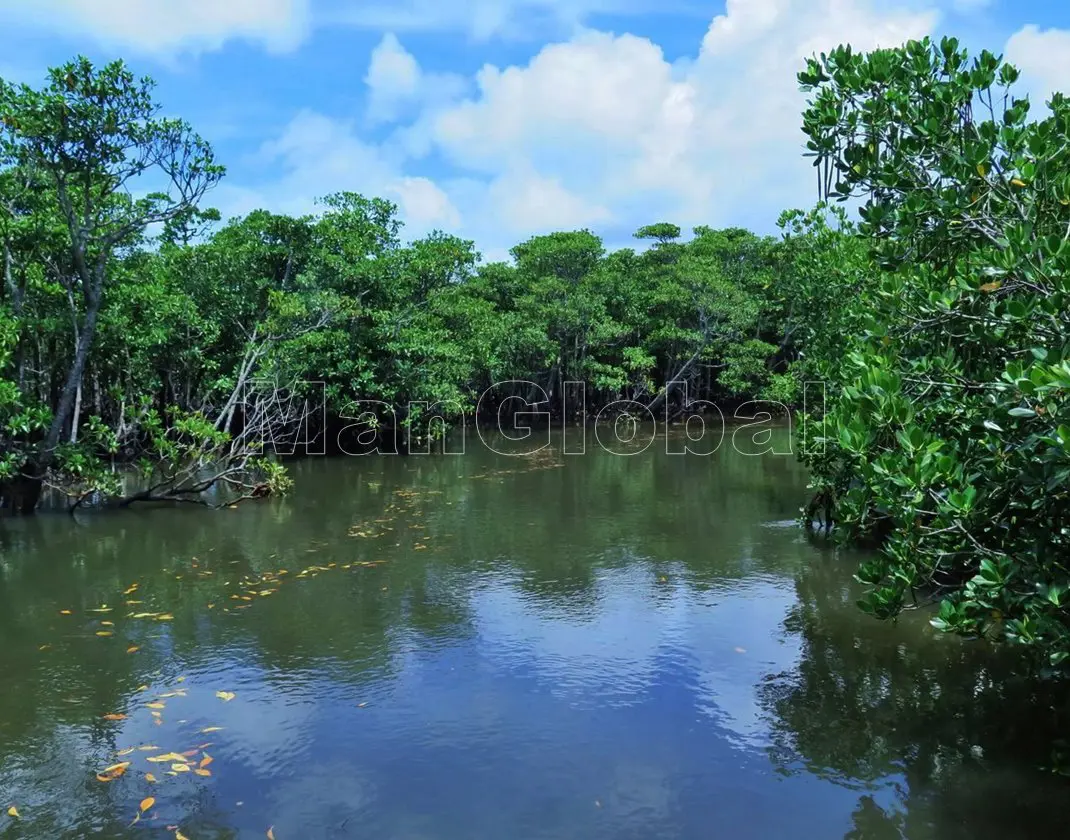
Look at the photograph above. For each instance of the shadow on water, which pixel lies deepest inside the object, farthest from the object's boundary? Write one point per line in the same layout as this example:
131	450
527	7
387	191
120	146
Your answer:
470	646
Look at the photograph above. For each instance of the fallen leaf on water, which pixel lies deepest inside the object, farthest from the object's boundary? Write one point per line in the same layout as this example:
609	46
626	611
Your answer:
44	647
65	612
180	768
741	650
156	705
101	609
180	679
225	696
164	617
105	633
206	760
133	649
13	811
144	615
114	717
212	729
180	836
361	705
189	753
200	771
130	589
166	757
108	623
148	747
110	774
127	751
142	688
179	693
270	833
149	777
147	803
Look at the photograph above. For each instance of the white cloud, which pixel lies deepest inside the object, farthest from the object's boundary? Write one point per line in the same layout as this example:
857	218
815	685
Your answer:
1043	56
396	83
167	27
393	76
319	155
602	130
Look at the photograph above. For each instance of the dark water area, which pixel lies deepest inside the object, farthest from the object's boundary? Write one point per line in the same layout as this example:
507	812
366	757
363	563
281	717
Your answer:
495	646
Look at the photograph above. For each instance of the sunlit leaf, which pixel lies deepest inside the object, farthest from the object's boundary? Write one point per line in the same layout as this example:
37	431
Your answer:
206	760
200	771
156	705
171	756
105	633
65	612
108	623
212	729
180	836
127	751
13	812
144	615
164	617
130	589
133	649
226	696
115	716
180	768
149	777
147	803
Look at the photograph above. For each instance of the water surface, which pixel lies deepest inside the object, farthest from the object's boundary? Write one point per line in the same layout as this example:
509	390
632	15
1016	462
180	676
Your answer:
488	646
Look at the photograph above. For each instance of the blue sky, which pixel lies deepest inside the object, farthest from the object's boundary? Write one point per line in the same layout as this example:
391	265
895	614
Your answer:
500	119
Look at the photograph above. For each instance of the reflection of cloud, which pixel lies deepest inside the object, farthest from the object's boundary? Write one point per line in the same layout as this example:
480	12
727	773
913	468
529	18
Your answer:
619	652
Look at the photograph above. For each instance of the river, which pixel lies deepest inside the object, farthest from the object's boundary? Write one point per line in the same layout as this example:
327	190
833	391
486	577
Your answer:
631	645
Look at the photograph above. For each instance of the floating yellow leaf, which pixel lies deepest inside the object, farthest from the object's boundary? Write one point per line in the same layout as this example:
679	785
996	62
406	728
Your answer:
44	647
206	760
156	705
144	615
155	714
122	765
108	623
142	688
133	649
164	617
981	170
114	717
171	756
127	751
130	589
189	753
212	729
200	771
13	811
65	612
180	768
148	747
149	777
226	696
105	633
180	836
147	803
180	679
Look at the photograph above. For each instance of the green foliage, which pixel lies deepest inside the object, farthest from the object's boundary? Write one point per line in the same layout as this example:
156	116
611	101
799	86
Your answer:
947	435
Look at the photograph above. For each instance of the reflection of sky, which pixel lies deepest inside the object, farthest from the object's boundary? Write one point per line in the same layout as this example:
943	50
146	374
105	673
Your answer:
616	652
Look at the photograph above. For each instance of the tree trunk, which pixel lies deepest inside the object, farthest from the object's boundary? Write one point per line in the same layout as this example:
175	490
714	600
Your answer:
77	413
33	472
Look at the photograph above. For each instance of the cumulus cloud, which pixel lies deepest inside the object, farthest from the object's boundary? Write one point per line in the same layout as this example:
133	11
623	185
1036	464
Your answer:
1043	56
603	131
319	155
166	26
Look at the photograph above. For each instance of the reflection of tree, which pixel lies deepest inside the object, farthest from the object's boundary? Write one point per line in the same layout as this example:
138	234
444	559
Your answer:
941	721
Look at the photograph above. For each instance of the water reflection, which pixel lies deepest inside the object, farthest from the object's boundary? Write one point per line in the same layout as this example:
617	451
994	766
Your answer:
485	646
